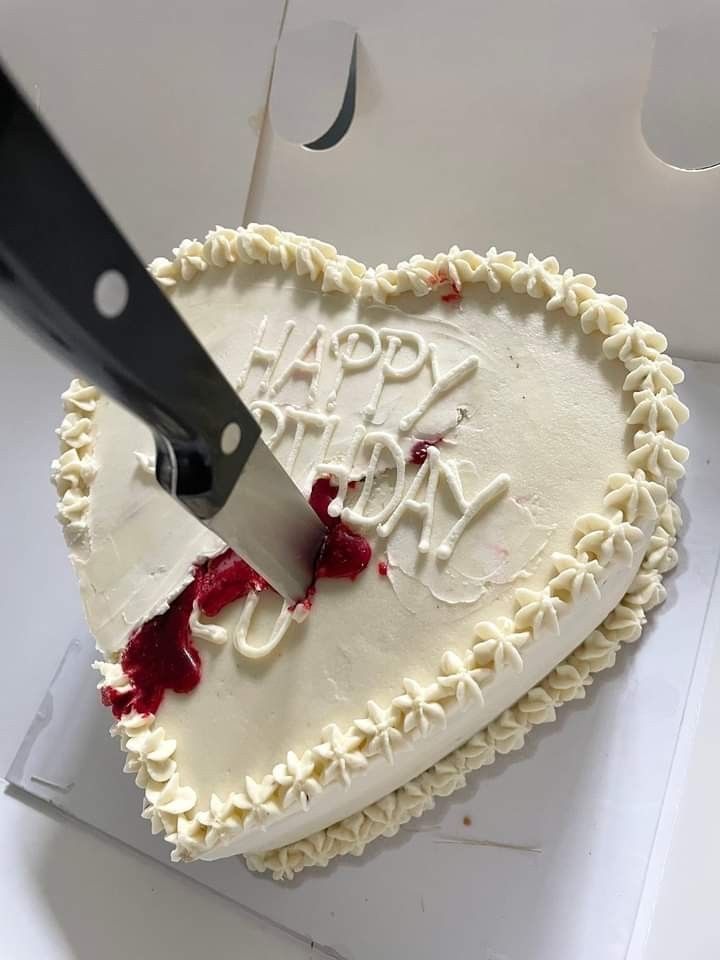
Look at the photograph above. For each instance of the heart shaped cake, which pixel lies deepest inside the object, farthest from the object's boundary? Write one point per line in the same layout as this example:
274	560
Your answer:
491	443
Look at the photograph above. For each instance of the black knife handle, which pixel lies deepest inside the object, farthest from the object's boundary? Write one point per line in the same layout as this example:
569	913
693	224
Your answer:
55	242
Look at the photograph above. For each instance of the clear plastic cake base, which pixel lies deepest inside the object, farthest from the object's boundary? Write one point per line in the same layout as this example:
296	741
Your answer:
550	853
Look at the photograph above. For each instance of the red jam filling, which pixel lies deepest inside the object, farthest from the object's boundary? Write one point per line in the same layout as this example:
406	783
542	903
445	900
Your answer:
161	655
224	579
344	554
419	450
321	496
383	568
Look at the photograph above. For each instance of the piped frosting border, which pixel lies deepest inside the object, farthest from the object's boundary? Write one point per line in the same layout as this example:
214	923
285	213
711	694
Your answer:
654	467
75	468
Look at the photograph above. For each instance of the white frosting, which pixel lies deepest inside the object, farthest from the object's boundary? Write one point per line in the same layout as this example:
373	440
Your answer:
481	539
146	462
352	834
463	677
658	411
538	609
652	373
603	313
210	632
577	575
297	776
658	455
570	292
509	727
500	644
419	706
256	803
604	537
380	730
75	468
341	754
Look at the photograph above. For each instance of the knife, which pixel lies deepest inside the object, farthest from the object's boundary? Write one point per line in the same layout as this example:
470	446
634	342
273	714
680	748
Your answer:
69	277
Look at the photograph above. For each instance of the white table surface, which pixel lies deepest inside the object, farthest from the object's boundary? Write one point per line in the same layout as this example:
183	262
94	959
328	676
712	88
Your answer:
67	894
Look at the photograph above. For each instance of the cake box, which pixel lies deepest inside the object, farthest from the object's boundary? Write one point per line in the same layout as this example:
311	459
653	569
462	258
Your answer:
470	126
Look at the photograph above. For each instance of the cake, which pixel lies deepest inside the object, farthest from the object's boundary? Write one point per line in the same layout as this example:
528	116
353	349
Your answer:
492	440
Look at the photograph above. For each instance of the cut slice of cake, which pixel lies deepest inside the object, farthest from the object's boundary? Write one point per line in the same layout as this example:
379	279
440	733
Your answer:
491	443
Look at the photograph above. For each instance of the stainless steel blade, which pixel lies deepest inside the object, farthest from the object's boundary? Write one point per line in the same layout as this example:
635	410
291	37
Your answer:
270	524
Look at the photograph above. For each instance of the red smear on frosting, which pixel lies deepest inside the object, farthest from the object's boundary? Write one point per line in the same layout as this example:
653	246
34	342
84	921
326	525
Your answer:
383	568
119	703
419	450
454	295
161	655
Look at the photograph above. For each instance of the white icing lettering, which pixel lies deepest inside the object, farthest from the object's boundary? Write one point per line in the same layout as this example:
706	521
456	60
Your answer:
354	334
260	407
269	359
389	372
205	631
441	385
301	366
331	423
469	508
380	442
305	419
240	637
428	474
388	355
341	471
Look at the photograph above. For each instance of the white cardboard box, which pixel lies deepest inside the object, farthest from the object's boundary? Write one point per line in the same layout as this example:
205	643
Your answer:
521	127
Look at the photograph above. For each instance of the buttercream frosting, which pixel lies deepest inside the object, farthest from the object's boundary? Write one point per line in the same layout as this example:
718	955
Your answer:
348	388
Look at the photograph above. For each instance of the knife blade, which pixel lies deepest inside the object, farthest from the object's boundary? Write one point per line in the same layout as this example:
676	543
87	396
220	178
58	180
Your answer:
57	248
